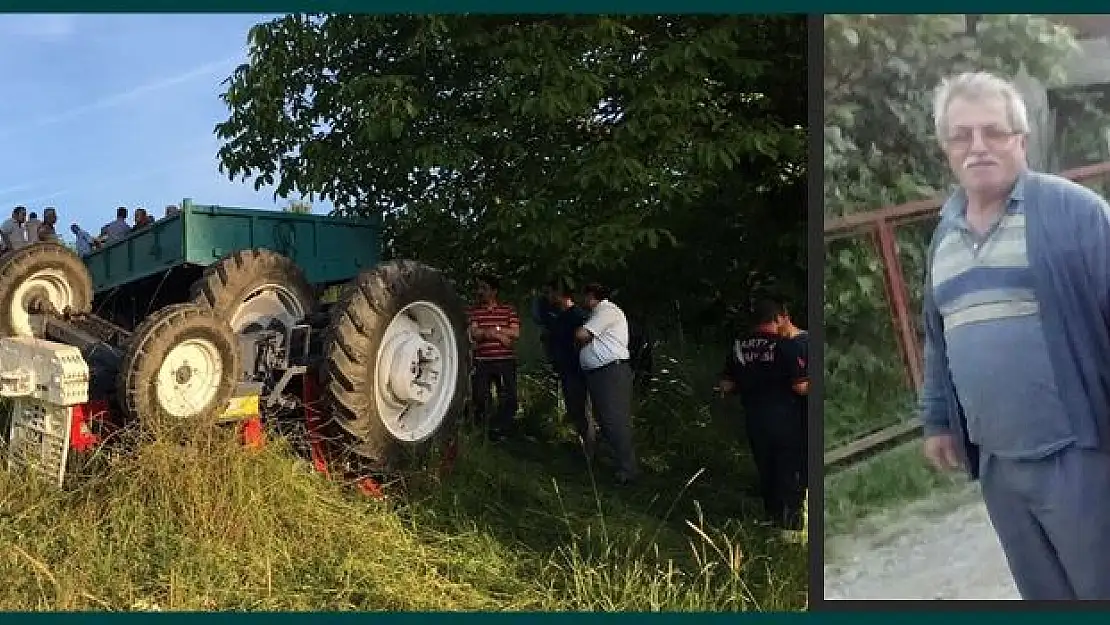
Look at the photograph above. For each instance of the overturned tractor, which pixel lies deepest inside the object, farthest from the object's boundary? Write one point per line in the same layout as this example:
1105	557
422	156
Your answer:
281	320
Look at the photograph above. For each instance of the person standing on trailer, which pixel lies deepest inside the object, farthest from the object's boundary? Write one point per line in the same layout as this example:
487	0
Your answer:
47	230
12	231
85	241
766	369
494	328
32	227
116	229
1017	345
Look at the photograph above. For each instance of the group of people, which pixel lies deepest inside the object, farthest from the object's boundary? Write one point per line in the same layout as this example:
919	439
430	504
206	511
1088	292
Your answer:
23	228
588	343
588	347
116	229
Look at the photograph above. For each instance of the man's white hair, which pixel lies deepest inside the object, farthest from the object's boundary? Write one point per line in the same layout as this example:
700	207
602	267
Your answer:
979	86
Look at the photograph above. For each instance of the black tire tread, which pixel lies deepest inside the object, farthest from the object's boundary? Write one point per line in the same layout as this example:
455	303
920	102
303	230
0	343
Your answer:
153	339
226	283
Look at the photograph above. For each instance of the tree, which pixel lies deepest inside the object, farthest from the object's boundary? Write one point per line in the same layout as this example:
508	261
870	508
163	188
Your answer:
539	145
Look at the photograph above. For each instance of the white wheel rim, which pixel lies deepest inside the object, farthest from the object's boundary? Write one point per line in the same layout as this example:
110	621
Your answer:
189	378
50	283
417	371
266	304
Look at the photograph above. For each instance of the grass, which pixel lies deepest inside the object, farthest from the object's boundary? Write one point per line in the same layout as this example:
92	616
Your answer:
889	480
203	524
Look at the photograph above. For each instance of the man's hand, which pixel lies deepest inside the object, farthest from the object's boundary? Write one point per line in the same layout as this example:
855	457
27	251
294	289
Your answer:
940	451
727	386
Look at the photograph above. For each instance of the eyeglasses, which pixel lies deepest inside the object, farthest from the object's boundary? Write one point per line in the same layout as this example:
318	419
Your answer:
993	138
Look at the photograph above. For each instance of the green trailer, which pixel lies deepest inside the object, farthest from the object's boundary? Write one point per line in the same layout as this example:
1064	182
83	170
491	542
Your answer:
181	315
328	250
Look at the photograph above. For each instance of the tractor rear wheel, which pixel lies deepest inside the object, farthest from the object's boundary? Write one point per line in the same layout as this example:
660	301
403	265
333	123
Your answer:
47	272
396	366
182	364
255	290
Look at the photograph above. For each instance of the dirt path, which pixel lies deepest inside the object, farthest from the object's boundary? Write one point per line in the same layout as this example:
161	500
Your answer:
935	550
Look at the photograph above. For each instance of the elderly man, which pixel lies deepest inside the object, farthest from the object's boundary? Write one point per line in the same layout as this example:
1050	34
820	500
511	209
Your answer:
1017	344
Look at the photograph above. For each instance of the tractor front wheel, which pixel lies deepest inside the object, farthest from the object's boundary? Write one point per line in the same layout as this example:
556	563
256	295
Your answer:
182	363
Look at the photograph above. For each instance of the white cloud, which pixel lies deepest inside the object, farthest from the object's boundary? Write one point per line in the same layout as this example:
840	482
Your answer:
116	99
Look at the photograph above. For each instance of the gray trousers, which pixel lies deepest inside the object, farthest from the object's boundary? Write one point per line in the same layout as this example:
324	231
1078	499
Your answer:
610	389
1052	517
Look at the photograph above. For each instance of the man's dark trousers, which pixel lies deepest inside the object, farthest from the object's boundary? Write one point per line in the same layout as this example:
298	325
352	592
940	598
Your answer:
572	383
499	374
778	449
610	390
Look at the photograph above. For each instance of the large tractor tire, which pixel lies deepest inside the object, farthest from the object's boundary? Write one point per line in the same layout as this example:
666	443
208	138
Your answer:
396	366
255	290
182	363
48	272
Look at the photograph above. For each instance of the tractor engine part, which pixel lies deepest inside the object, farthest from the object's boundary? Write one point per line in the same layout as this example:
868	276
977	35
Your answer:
44	381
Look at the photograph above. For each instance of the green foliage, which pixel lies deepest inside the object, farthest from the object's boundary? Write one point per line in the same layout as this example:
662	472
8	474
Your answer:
880	149
880	73
533	145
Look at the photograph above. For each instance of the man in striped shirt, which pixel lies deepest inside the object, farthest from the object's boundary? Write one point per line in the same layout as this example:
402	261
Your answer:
494	328
1016	384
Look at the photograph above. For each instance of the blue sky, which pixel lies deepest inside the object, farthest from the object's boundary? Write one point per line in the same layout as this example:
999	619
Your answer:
101	111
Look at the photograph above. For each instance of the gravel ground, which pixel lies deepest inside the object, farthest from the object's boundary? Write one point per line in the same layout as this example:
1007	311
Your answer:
943	549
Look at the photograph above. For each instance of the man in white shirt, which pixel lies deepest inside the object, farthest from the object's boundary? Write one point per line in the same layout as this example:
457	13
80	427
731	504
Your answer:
604	359
12	230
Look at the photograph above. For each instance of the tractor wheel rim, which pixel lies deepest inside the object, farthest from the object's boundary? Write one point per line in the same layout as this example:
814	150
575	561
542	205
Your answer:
416	371
269	302
189	378
50	284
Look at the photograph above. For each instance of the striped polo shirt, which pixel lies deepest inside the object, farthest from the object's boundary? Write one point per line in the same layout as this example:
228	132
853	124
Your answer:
996	347
489	318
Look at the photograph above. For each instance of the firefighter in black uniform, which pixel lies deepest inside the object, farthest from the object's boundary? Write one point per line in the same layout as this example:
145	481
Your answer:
768	370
